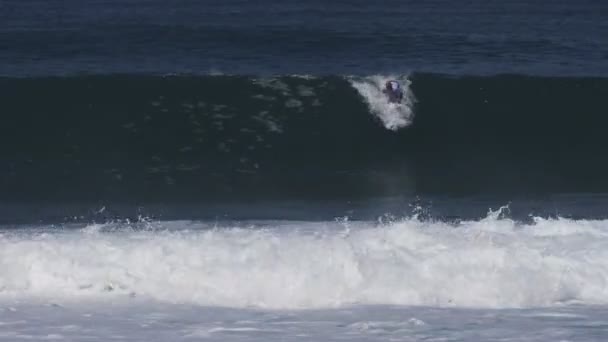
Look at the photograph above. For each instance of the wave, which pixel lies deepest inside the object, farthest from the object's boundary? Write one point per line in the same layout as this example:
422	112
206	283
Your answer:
177	137
492	262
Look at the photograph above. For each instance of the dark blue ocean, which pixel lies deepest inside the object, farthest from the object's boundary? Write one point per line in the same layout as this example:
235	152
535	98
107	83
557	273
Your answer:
273	109
93	37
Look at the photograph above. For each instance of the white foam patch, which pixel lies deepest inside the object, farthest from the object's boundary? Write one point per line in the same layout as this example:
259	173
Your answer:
393	116
492	263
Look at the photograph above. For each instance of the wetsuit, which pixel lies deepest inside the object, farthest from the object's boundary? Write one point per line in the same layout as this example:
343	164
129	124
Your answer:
394	92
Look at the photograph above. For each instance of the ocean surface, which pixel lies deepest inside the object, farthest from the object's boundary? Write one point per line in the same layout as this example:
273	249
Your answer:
231	170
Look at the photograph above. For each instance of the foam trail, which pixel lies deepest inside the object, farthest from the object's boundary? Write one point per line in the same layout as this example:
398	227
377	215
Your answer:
393	116
493	263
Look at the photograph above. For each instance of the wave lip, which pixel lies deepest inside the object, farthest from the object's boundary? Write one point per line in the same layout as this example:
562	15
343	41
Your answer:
493	263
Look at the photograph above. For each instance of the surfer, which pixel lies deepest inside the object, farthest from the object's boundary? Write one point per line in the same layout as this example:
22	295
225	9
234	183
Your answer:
393	90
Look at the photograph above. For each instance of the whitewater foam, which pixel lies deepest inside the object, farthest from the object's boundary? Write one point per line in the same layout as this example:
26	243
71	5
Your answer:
393	116
492	263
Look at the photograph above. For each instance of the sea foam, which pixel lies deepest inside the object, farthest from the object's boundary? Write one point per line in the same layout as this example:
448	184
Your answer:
492	263
393	116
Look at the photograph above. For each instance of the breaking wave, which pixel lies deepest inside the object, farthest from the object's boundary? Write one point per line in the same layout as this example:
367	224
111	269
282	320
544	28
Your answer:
493	262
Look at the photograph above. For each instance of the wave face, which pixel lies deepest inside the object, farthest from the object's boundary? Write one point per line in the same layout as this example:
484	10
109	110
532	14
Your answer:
493	263
196	137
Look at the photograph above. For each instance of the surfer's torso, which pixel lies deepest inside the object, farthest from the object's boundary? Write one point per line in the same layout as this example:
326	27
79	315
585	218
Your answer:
393	91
